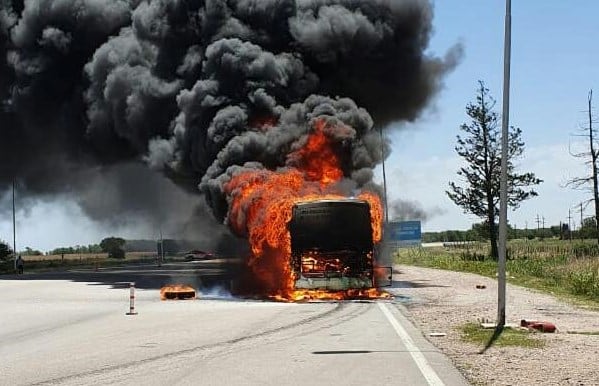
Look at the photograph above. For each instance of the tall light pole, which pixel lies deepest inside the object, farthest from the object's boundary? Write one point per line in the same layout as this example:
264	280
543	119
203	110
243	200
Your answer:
161	257
14	225
386	206
504	155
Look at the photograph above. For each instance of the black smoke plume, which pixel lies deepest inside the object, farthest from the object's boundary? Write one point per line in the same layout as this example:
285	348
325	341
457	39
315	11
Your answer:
199	89
403	210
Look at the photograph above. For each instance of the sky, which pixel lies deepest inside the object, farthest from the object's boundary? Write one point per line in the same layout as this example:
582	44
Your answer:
554	65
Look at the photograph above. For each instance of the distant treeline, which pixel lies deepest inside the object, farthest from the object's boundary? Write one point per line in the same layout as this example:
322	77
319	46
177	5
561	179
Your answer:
92	248
171	246
478	233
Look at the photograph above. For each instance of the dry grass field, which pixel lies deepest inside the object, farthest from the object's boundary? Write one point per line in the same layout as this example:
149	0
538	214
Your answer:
50	262
87	256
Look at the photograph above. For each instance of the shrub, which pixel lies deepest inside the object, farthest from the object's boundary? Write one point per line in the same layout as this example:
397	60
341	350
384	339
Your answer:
114	247
5	251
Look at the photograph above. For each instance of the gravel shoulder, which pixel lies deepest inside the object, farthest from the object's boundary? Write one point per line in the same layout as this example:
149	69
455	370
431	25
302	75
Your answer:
442	301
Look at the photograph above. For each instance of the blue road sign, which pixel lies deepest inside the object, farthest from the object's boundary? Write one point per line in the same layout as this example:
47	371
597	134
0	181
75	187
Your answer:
404	233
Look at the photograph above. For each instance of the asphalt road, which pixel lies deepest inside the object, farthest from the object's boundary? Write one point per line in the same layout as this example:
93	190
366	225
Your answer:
71	328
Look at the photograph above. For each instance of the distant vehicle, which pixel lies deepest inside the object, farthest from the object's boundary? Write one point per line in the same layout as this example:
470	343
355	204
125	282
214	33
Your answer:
196	254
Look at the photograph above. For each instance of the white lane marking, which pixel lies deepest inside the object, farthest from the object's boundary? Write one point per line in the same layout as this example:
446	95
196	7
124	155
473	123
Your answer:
427	371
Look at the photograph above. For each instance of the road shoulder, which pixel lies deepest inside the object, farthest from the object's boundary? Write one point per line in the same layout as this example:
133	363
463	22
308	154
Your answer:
442	301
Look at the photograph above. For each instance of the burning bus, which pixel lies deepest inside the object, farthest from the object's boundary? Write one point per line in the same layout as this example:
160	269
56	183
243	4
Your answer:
308	240
332	246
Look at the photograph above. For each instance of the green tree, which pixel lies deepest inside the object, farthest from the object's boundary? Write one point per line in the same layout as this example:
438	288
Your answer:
114	247
588	228
5	250
32	252
480	147
62	251
94	248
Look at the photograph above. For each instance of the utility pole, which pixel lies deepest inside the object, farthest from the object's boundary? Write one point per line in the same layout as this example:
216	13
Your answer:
14	225
543	223
385	254
594	166
503	180
581	218
569	224
543	227
561	230
384	178
161	258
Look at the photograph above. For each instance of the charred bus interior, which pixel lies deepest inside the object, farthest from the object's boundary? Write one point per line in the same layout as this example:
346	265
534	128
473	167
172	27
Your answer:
331	244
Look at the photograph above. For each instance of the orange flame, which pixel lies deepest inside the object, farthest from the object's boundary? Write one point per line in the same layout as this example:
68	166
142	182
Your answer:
317	159
177	291
307	295
261	204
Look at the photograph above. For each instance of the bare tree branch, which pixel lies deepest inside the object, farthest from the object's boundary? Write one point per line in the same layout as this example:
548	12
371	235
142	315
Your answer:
589	182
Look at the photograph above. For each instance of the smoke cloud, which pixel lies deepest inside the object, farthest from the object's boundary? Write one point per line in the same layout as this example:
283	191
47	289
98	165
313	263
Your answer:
401	210
200	90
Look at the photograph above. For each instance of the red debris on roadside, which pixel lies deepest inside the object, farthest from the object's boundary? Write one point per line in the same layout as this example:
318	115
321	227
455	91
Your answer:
537	325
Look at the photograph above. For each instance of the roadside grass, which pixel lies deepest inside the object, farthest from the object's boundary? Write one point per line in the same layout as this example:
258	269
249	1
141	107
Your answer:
474	333
557	270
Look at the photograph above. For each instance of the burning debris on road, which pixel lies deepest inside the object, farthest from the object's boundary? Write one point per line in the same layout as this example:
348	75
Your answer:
177	292
255	105
327	295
